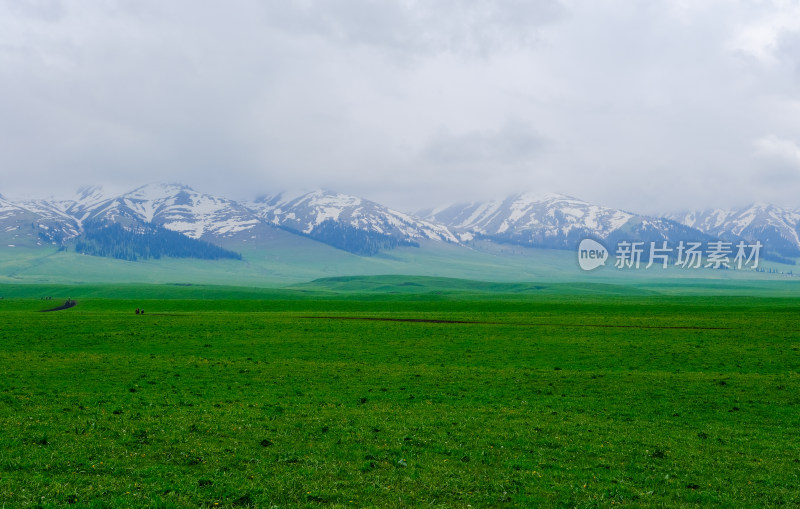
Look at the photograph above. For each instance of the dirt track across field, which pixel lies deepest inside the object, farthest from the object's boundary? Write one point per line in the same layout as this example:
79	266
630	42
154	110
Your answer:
66	305
599	325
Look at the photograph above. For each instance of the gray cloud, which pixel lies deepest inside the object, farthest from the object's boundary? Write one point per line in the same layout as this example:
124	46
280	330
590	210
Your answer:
460	26
648	106
515	142
45	10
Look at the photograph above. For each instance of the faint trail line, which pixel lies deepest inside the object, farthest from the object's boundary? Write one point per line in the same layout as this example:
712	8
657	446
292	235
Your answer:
588	325
380	319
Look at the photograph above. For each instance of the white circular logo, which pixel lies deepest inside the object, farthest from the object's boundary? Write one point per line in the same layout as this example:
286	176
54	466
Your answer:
591	254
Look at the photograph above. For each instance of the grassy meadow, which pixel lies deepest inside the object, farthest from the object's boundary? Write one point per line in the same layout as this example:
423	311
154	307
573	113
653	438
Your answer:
401	392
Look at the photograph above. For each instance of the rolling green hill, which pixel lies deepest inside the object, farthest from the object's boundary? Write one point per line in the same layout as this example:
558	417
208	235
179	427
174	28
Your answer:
280	258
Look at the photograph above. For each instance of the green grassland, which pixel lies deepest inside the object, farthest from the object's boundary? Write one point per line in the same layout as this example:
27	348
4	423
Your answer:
401	392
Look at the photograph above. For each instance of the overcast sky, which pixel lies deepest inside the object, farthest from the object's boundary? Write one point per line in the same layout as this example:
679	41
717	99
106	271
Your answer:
651	105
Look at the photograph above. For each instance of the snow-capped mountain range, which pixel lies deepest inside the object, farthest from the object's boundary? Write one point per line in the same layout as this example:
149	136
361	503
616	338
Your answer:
775	227
554	221
364	227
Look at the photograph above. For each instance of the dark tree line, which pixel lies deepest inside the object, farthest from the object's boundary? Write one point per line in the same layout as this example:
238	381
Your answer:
143	242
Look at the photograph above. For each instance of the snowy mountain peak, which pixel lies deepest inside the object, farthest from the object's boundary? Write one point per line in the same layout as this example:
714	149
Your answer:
176	207
89	193
776	228
320	212
329	199
549	214
6	207
552	220
534	197
760	205
158	191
